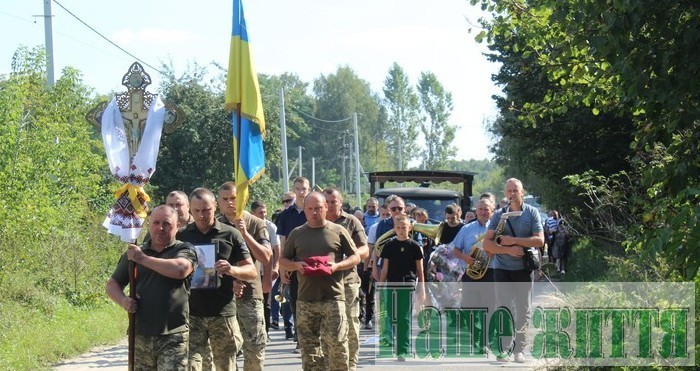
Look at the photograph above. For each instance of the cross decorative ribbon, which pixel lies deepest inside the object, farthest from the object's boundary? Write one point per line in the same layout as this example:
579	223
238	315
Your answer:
133	167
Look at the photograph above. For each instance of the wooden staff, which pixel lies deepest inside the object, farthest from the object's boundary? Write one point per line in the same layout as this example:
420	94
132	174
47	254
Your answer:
132	316
131	332
134	107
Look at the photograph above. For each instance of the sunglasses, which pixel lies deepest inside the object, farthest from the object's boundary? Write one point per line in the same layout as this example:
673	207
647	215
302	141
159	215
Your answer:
286	201
396	208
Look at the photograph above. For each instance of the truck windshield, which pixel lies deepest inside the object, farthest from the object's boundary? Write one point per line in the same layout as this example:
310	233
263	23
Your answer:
435	207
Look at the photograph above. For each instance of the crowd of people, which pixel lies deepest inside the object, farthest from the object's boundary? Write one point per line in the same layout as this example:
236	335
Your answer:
313	260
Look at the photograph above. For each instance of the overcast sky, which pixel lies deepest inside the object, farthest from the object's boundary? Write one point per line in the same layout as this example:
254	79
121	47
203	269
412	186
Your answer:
306	37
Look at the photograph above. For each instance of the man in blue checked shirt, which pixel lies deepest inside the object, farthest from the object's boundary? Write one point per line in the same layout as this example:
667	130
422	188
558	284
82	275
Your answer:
478	293
466	238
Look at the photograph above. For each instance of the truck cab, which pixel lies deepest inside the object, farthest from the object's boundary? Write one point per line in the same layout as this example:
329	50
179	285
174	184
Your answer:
425	196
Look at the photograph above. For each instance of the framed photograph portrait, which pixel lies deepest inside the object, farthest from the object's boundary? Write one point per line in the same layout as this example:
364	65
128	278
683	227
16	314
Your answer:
205	276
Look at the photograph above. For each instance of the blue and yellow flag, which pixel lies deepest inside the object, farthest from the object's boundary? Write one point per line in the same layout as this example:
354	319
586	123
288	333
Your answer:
243	97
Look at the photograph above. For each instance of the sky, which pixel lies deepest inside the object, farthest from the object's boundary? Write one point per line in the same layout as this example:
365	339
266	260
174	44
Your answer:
307	37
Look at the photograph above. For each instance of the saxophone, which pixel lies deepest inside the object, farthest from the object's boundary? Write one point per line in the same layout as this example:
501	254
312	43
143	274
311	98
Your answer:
482	259
502	224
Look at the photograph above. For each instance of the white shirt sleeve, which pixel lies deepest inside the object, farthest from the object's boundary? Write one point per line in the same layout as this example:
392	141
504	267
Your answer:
372	235
272	231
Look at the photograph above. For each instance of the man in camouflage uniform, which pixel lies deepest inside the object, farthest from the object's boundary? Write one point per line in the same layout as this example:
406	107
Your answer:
213	311
352	280
259	209
178	200
321	312
250	307
164	268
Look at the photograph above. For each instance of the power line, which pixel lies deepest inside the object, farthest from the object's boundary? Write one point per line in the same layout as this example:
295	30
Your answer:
321	120
108	40
327	129
17	17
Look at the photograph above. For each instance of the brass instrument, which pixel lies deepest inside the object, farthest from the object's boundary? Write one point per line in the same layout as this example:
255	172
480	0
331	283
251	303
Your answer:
433	231
482	259
477	270
280	296
502	223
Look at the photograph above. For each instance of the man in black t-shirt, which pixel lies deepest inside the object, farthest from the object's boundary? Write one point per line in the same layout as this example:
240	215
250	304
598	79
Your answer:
452	224
213	311
164	268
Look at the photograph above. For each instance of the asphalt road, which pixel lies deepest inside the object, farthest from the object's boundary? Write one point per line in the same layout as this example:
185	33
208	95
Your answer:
280	356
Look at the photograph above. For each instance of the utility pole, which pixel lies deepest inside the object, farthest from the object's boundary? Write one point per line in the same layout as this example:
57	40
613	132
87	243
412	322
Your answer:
283	134
357	159
345	156
313	172
400	151
351	169
300	147
48	42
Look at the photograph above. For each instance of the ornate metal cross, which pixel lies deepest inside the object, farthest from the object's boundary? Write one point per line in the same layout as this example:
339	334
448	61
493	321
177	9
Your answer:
127	216
134	104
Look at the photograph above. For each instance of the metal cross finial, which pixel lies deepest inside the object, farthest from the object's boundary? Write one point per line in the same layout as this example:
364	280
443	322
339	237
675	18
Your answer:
134	104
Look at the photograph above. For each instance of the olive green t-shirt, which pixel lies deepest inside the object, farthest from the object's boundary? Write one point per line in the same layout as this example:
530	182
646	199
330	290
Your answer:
331	240
163	301
357	233
256	227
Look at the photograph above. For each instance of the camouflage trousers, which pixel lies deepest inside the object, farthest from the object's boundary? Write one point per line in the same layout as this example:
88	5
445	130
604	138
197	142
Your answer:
322	322
352	310
164	352
224	337
251	319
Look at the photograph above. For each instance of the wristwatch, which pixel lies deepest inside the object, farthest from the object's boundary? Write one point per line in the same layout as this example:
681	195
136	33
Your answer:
498	240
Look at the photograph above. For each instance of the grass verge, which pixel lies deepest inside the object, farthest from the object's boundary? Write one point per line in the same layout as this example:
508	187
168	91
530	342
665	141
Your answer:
34	339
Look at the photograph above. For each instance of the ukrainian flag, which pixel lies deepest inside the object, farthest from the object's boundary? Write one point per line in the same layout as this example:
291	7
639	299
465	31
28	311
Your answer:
243	97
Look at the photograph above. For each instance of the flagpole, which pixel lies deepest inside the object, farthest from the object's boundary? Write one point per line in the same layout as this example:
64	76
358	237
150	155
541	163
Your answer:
243	93
237	153
357	160
283	134
239	127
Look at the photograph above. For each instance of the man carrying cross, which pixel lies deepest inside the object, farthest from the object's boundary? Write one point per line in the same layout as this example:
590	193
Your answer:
164	267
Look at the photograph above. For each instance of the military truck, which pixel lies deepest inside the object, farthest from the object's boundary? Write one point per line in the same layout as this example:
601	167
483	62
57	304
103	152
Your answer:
434	200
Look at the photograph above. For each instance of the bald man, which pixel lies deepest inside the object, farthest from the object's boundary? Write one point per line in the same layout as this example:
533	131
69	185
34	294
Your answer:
164	267
523	232
321	293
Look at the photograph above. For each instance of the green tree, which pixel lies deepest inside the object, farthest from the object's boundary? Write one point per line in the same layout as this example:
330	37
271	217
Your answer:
200	152
54	187
489	175
439	134
403	108
339	96
379	158
296	100
622	60
541	149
